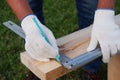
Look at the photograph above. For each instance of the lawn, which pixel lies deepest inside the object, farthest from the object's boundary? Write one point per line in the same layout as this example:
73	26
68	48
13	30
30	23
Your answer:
60	17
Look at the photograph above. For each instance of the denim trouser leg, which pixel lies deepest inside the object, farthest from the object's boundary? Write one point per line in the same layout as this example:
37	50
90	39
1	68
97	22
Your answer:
86	10
37	8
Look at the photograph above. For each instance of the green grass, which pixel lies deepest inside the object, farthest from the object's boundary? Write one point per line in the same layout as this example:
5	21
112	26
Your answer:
60	17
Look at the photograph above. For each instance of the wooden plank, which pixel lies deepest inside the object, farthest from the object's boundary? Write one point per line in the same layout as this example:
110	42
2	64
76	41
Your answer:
114	68
44	70
75	44
71	45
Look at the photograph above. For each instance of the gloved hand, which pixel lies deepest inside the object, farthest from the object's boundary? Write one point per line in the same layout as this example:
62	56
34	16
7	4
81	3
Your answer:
105	32
35	44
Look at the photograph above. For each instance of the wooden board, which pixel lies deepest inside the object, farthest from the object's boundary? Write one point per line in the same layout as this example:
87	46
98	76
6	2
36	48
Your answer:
71	45
76	43
44	70
114	68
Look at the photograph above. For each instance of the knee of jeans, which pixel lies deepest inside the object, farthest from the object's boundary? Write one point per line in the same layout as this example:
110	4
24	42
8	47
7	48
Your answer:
86	5
86	10
36	6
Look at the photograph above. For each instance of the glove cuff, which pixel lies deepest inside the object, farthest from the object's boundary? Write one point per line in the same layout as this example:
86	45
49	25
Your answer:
104	16
28	24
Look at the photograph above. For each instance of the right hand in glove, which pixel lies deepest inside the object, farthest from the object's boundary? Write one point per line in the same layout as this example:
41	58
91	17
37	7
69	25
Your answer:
105	32
35	44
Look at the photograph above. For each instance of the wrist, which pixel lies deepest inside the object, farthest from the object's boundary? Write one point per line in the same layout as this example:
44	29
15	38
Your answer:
108	4
104	16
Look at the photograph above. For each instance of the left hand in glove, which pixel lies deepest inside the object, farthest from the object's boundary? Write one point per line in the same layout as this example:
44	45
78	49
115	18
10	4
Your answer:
35	43
105	32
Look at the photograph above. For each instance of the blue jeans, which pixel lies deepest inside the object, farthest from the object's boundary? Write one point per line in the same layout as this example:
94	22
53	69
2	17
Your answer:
37	8
86	10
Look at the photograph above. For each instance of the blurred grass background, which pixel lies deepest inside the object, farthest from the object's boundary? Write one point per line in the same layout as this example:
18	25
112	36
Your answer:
60	17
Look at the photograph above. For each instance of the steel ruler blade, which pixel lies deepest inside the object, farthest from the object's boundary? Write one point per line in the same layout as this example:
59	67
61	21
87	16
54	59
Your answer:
15	28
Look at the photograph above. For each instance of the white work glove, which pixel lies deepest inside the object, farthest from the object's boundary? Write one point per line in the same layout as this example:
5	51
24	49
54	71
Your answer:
105	32
35	44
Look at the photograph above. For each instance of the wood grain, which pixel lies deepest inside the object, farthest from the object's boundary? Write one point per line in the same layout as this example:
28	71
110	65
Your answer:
114	68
